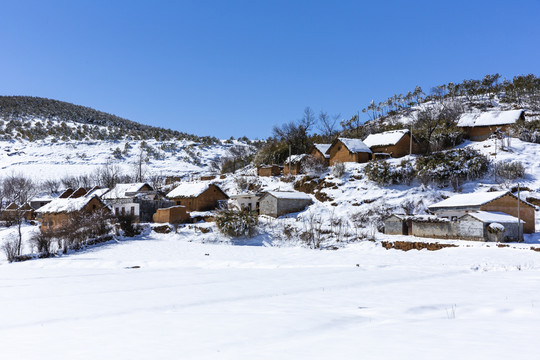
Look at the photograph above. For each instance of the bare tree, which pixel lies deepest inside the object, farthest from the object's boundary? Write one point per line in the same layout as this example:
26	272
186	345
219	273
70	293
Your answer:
19	190
327	125
140	165
108	175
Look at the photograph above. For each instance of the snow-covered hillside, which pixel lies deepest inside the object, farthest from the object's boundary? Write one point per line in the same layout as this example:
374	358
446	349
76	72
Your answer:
44	159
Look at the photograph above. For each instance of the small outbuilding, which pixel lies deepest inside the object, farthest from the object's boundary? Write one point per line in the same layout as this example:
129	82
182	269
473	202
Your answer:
248	202
294	163
480	125
198	196
492	226
269	170
173	215
396	143
277	203
349	150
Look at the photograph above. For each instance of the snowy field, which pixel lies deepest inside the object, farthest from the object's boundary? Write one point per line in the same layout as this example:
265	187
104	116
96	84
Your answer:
163	297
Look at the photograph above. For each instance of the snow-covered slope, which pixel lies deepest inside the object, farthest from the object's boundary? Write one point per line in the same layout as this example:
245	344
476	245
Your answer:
44	159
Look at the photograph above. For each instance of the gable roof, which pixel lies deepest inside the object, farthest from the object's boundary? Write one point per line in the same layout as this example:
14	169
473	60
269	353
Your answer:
120	190
493	216
385	138
472	200
66	205
98	192
294	159
323	148
489	118
353	145
292	195
191	189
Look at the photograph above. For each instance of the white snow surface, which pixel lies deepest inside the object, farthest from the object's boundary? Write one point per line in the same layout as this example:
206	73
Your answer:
494	216
476	199
355	145
489	118
65	205
189	189
164	297
290	195
44	159
385	138
195	295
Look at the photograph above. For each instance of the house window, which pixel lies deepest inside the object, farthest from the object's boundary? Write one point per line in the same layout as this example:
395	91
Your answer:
116	211
94	207
123	210
133	210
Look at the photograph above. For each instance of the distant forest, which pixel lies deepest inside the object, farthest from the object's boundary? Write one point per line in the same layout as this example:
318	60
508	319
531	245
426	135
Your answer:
17	112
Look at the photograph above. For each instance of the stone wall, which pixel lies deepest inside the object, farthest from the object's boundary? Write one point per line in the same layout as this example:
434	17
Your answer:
393	226
271	206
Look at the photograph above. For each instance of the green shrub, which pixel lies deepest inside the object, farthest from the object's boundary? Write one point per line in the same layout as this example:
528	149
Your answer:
383	173
237	223
451	167
509	170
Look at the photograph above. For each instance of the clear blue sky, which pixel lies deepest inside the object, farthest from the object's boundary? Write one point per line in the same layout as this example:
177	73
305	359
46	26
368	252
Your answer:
238	68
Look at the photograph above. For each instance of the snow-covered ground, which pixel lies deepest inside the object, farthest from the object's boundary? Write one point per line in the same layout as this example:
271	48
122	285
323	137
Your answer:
164	297
44	159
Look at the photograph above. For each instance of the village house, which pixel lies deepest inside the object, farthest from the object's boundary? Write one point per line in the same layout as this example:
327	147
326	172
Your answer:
14	211
319	152
475	225
396	143
176	214
135	199
197	196
498	201
480	125
269	170
348	150
242	202
277	203
294	163
56	213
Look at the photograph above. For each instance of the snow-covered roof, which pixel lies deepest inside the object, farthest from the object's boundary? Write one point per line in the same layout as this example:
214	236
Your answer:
323	148
466	200
296	195
489	118
385	138
65	205
97	192
120	190
189	189
493	216
294	159
354	145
